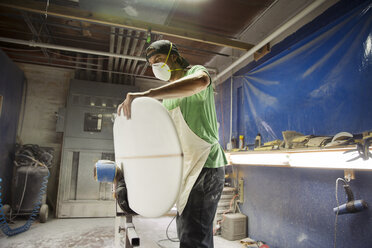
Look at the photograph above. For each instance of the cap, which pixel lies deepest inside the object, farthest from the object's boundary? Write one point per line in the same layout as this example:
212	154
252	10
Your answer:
163	47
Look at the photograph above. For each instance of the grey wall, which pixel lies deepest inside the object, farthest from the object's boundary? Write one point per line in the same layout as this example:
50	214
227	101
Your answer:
47	89
11	85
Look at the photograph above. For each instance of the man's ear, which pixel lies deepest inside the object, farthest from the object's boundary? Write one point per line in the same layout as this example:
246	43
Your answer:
174	58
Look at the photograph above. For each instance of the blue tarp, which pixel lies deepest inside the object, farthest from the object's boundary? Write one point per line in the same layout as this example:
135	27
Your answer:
320	85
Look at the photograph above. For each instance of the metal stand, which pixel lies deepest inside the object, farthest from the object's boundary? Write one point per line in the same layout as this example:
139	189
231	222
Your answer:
125	233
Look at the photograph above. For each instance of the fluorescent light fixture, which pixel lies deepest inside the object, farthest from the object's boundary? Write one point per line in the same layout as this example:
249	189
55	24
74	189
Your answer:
325	158
329	159
273	159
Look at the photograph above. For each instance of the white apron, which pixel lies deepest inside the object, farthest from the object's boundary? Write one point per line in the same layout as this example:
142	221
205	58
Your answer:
195	151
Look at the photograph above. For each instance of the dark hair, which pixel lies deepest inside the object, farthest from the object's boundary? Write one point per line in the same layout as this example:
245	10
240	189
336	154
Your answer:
163	47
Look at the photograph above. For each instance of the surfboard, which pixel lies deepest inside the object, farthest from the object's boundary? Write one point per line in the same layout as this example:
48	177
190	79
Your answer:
149	150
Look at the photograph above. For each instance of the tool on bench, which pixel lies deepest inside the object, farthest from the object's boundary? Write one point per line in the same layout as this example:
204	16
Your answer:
362	147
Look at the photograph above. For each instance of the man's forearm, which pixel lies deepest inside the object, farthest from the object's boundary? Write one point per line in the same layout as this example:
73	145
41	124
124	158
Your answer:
183	87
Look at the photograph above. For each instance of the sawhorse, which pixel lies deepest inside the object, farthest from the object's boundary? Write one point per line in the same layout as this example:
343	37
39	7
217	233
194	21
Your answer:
125	233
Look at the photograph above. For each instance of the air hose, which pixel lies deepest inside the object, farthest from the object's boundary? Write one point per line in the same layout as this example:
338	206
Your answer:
4	225
33	160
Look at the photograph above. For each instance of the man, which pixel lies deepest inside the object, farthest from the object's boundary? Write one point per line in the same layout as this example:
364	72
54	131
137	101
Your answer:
191	91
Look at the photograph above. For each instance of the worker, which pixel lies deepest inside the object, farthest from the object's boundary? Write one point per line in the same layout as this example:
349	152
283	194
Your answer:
189	98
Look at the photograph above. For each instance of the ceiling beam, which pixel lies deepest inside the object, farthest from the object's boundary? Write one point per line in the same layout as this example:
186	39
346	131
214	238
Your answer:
78	67
70	49
121	22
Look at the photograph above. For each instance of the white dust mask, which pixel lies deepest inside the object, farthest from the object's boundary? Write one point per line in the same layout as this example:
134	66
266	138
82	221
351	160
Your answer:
162	71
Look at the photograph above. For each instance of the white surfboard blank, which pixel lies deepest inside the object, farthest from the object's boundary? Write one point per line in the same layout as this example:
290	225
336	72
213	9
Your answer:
149	149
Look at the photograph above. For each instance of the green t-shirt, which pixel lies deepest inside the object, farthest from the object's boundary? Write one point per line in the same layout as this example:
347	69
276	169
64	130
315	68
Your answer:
199	112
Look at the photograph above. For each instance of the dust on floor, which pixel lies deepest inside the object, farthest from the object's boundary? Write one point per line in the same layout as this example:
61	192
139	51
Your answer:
97	233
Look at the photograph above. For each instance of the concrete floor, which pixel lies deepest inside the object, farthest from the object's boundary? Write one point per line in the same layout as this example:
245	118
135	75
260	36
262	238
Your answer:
97	232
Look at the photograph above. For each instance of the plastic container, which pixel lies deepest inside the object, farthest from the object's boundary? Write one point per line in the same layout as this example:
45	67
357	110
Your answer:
233	143
257	141
241	142
234	226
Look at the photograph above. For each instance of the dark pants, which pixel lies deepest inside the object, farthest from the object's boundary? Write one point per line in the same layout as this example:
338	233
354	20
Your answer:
195	224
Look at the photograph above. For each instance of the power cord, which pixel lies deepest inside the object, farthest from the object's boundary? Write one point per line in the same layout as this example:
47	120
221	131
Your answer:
11	218
338	206
168	238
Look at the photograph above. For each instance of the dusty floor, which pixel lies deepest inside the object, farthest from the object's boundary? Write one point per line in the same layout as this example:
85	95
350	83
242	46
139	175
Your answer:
97	232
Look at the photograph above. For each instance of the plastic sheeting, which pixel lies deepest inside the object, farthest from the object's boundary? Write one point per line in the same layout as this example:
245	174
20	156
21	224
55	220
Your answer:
11	88
321	85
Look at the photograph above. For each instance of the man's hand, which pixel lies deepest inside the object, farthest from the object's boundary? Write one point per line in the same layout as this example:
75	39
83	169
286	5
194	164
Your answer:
126	105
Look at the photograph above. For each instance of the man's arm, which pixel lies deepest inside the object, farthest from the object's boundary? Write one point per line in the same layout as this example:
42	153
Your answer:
183	87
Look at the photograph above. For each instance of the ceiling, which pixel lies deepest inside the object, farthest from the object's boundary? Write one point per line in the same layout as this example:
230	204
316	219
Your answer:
104	40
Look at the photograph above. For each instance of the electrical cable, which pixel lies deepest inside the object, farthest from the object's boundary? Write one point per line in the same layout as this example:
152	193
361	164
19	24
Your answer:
168	238
46	9
43	24
166	232
236	181
33	155
338	206
21	201
238	208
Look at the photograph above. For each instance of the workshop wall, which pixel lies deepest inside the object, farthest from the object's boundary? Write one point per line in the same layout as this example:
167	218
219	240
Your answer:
11	86
47	89
316	81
